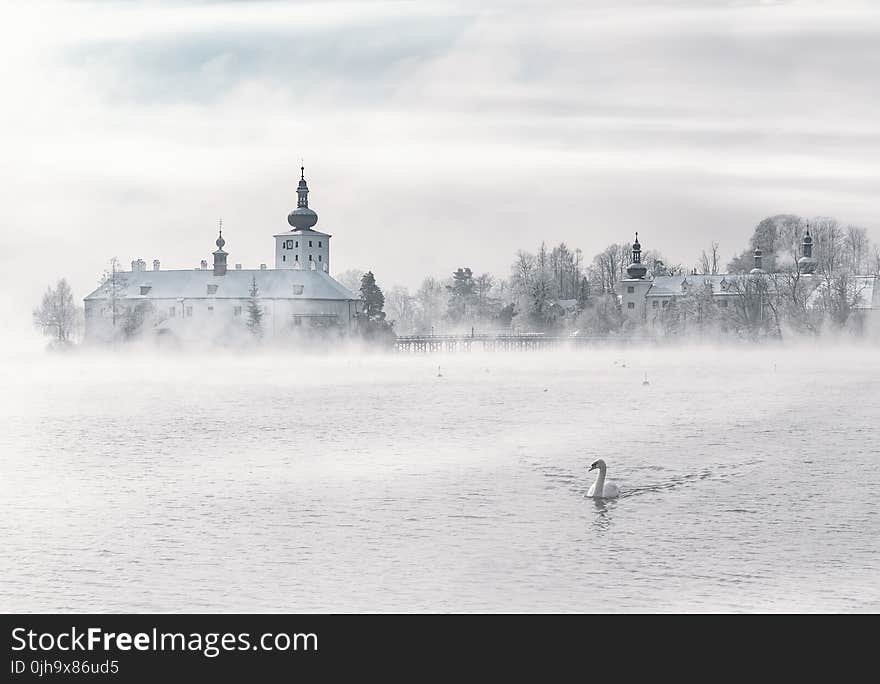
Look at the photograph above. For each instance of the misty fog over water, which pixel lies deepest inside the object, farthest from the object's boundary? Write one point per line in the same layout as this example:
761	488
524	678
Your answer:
304	482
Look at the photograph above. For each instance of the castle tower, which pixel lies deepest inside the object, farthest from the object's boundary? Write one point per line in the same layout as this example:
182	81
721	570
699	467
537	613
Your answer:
758	269
220	255
636	269
635	286
302	247
807	264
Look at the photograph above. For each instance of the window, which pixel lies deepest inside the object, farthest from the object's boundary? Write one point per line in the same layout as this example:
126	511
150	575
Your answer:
297	320
236	311
283	257
297	243
665	303
630	289
210	309
212	289
189	311
310	243
310	257
319	243
172	312
320	257
630	305
655	304
296	257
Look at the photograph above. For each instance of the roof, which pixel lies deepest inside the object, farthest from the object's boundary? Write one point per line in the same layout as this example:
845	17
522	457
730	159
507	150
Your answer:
236	284
865	286
302	231
670	286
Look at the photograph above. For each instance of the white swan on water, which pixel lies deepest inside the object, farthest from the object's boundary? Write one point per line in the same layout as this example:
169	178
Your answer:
602	488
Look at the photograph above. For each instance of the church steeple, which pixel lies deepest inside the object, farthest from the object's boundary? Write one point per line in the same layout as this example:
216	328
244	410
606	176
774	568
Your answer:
302	190
220	255
636	269
758	269
807	264
302	217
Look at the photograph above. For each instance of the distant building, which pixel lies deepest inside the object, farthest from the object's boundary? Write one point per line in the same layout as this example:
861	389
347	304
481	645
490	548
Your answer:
644	296
214	301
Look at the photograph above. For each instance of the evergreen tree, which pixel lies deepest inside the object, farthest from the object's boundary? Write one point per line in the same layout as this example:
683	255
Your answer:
462	294
255	311
372	323
374	300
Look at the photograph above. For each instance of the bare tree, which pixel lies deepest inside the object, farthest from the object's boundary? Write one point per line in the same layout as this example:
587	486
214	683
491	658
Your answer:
401	306
351	279
57	314
113	285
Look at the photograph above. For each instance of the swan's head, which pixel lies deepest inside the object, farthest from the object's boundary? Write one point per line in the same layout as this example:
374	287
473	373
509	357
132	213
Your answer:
600	464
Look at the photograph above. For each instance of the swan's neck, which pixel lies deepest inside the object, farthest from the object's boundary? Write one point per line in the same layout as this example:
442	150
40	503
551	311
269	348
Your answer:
600	482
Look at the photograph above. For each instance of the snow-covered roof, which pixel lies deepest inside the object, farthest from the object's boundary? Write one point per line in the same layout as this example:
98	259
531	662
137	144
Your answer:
302	231
236	284
671	286
865	286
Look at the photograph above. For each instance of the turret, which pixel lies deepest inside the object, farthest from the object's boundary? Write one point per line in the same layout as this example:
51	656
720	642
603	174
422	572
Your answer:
807	264
758	269
636	269
220	255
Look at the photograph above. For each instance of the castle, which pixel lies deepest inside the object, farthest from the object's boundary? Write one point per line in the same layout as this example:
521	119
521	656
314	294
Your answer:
213	301
644	297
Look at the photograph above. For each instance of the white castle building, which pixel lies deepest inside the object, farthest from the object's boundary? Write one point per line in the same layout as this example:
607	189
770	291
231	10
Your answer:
644	296
214	301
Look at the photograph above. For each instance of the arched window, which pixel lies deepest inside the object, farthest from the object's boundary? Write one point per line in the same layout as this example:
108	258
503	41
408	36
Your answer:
310	257
296	257
320	257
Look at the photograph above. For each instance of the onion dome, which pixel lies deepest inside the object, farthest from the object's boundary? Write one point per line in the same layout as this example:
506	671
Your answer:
636	269
757	270
807	264
302	217
220	241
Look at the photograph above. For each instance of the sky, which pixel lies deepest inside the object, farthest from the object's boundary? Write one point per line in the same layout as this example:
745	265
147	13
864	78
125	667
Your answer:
434	134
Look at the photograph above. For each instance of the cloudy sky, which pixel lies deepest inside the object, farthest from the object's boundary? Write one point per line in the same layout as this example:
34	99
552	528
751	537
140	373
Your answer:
435	134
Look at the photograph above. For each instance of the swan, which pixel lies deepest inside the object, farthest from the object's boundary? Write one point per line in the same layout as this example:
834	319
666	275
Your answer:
645	381
602	489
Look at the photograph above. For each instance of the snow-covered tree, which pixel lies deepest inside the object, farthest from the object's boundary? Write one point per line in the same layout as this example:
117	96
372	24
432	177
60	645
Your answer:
57	313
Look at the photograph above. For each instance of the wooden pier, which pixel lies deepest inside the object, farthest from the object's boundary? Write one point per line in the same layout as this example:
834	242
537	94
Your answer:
488	342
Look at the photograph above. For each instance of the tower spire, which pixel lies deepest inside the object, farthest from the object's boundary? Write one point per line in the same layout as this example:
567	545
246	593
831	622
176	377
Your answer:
220	255
636	269
302	217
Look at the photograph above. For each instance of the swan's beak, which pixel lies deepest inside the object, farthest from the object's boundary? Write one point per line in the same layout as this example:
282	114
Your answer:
592	467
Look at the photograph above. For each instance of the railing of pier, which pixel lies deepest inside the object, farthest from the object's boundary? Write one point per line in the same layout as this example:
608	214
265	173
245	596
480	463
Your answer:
491	342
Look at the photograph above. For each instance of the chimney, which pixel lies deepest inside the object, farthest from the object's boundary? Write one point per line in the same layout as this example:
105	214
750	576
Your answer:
134	264
262	267
238	267
204	264
155	264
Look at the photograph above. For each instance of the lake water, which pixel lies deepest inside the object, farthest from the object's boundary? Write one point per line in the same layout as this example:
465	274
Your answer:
219	482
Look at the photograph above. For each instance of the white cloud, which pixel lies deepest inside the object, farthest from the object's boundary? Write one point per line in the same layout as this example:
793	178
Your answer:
435	135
